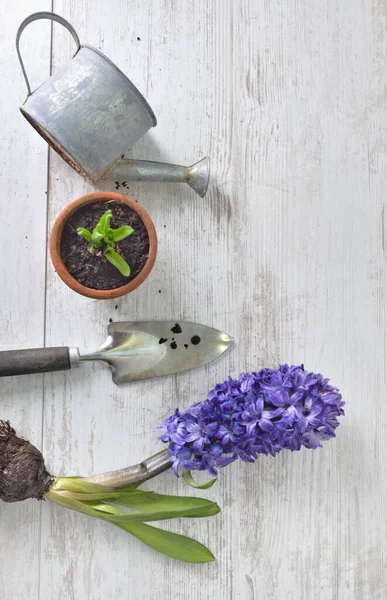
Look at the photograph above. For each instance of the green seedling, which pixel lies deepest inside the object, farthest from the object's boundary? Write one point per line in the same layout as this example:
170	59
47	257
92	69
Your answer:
104	237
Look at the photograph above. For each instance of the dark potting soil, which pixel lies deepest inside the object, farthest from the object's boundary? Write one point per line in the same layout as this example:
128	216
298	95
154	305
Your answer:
92	269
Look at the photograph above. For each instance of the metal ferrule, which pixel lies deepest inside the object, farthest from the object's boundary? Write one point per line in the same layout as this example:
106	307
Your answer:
74	357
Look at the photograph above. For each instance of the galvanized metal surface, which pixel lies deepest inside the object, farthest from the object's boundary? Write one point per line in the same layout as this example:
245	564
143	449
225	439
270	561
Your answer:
35	17
91	113
88	109
197	176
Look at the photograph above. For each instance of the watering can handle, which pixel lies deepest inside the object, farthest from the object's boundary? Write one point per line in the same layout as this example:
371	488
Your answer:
36	17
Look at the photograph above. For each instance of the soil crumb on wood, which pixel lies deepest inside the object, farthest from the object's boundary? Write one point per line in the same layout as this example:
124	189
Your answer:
92	269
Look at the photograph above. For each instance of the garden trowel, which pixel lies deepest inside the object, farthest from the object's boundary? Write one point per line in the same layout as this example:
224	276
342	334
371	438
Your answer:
133	350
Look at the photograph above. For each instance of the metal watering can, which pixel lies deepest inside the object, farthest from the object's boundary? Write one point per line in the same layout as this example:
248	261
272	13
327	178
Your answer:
91	113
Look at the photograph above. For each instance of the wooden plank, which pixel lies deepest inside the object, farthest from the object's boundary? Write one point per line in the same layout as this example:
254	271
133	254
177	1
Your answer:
310	128
23	183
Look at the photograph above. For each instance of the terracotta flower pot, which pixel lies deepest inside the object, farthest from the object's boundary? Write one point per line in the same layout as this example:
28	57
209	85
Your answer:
56	236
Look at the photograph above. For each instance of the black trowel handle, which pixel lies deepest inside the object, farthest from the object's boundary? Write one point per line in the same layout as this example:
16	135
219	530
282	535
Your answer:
36	360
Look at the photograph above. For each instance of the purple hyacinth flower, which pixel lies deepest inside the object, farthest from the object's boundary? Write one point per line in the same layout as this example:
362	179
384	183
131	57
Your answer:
199	433
259	413
213	458
181	457
252	415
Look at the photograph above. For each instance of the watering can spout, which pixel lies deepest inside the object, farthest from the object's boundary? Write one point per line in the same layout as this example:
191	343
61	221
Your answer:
197	176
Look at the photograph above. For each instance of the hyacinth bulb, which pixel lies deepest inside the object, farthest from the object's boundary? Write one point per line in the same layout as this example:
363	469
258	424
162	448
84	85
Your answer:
259	413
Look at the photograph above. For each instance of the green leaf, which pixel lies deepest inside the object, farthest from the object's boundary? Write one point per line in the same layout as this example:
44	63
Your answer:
117	261
66	500
190	480
76	484
171	544
106	496
79	490
145	502
116	516
94	507
105	508
84	233
121	233
103	224
149	501
108	240
97	238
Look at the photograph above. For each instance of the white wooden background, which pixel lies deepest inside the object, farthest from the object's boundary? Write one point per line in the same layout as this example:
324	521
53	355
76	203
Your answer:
286	253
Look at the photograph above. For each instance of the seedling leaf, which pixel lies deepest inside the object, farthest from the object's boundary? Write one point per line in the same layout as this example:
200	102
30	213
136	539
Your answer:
117	261
121	233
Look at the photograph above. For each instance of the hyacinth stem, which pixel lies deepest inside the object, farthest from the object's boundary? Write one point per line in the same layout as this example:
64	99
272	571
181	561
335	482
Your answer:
134	475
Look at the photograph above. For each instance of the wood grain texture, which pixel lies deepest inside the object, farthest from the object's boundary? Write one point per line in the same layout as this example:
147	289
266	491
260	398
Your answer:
23	184
286	253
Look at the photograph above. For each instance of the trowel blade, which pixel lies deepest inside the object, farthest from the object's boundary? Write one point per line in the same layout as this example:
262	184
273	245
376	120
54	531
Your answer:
145	349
